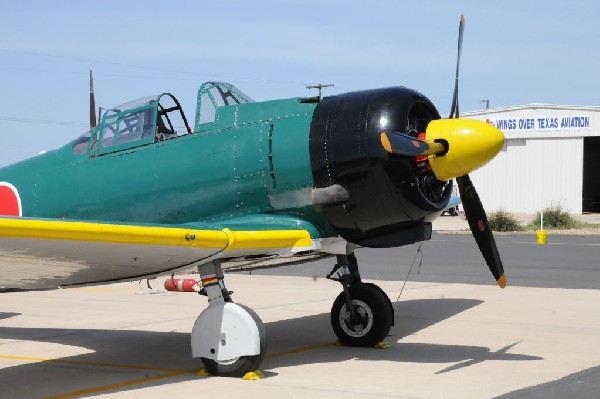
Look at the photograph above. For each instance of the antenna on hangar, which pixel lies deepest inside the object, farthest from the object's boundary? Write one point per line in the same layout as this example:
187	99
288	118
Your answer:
320	87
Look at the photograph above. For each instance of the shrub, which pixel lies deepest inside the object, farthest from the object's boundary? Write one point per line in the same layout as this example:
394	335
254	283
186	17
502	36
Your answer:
555	218
503	221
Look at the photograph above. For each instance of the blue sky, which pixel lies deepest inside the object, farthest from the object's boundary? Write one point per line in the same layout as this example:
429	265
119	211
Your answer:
514	52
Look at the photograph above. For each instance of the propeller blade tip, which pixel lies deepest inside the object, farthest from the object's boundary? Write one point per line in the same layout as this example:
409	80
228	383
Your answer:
502	281
385	142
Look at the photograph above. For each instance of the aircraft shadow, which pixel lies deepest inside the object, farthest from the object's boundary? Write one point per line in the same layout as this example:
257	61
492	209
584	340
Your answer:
290	343
410	317
8	315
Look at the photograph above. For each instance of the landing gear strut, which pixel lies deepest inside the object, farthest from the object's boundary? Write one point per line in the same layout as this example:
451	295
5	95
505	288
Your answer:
362	314
229	338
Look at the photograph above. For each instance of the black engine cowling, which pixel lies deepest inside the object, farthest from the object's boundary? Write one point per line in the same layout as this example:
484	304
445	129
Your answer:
391	197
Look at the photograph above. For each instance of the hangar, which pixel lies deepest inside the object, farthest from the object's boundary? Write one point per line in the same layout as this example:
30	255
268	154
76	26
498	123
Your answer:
551	157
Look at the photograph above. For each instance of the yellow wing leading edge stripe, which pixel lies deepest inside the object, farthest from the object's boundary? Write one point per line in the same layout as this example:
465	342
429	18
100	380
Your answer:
153	235
113	233
268	239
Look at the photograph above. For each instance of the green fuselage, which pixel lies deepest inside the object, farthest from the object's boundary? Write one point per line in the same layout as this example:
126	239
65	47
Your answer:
225	170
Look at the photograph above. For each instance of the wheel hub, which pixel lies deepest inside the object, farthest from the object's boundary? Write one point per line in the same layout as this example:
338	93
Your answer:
361	325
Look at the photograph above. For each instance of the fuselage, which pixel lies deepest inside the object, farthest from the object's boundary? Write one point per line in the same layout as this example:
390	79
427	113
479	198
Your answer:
222	171
253	158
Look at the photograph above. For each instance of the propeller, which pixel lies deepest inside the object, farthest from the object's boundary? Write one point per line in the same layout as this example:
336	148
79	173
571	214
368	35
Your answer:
478	222
456	147
92	103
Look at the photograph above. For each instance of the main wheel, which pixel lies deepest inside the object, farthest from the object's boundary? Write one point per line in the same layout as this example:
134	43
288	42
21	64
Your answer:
373	316
239	366
385	297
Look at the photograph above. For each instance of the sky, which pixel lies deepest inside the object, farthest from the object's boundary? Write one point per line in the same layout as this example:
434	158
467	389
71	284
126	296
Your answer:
514	53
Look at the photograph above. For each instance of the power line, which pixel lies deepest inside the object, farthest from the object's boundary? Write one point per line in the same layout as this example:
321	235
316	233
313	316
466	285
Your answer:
135	66
41	121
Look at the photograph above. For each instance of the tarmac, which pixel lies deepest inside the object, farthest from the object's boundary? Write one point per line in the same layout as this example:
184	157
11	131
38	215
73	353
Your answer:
127	340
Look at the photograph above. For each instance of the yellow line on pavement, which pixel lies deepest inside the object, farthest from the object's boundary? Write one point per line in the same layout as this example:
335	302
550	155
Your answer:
97	364
118	385
169	373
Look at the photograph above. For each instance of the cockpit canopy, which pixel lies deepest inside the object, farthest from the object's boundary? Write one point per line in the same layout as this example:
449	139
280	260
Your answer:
155	118
138	122
213	95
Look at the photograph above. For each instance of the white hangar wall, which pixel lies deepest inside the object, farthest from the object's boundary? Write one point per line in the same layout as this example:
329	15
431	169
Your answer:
527	176
542	162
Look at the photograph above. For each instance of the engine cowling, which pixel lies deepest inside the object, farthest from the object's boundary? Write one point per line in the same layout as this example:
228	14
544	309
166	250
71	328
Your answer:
391	198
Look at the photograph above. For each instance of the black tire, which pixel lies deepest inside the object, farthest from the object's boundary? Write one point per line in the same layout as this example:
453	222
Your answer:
387	300
375	316
244	364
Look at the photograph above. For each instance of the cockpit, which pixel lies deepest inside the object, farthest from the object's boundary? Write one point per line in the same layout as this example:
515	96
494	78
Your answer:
139	122
154	119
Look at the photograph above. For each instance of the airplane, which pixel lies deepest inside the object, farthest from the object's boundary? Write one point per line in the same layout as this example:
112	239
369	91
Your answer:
142	194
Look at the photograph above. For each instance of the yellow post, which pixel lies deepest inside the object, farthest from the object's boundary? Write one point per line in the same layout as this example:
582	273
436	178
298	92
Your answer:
540	236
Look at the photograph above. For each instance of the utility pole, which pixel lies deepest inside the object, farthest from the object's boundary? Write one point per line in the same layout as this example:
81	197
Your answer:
319	86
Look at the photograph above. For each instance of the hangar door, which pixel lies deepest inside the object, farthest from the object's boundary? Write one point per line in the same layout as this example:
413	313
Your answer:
591	174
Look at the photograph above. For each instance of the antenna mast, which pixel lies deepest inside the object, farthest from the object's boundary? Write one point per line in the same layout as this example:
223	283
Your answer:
92	103
320	87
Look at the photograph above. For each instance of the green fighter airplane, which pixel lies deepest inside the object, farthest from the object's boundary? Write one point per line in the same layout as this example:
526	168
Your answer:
142	194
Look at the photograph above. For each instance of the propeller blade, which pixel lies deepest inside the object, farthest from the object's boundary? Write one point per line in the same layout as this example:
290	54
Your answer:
478	222
404	144
480	228
454	108
92	103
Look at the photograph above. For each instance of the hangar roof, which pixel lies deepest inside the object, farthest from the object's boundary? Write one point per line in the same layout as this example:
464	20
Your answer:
534	106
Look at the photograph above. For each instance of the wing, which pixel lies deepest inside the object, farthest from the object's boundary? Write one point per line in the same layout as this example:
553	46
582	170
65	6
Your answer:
47	253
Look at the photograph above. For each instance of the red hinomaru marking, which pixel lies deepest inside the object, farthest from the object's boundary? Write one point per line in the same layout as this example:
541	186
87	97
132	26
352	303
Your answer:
10	203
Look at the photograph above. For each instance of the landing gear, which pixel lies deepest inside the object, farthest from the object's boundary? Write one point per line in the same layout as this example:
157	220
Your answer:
362	314
229	338
238	366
